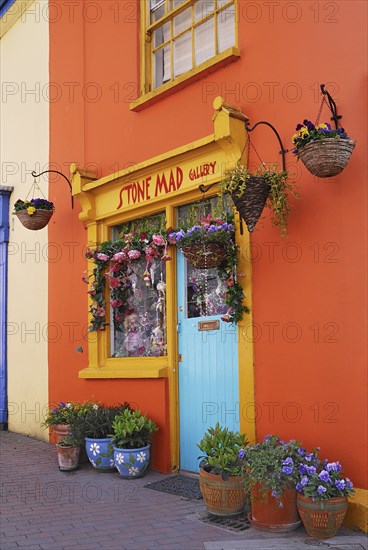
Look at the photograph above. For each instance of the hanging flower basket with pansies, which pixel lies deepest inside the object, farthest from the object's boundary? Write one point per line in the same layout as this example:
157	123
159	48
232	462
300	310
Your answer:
34	214
324	151
205	244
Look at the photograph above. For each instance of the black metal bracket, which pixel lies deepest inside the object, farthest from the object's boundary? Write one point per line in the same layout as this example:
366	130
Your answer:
205	188
333	108
60	174
283	150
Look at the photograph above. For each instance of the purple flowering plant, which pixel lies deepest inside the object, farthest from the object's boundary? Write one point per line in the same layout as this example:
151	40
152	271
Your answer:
273	465
222	232
321	480
32	206
60	413
308	132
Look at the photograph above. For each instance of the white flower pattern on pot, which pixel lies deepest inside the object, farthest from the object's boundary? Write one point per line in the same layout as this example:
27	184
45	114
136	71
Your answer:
133	471
95	449
119	458
141	457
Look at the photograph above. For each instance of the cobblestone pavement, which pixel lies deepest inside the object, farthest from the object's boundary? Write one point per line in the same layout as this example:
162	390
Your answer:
43	508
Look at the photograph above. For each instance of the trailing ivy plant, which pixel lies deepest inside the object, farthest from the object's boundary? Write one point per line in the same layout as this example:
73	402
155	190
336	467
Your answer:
235	182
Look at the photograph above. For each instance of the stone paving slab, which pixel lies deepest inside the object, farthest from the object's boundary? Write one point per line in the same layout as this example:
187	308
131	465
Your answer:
45	509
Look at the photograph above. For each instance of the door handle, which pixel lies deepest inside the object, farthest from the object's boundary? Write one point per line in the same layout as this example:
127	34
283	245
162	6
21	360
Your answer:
178	327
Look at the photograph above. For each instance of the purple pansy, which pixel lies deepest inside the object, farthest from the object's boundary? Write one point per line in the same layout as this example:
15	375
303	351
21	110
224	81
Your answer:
324	476
321	489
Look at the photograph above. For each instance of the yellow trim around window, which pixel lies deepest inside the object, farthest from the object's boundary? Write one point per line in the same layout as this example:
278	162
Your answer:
148	94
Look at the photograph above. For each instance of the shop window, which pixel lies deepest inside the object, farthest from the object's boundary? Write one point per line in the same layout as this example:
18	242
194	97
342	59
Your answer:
142	332
181	35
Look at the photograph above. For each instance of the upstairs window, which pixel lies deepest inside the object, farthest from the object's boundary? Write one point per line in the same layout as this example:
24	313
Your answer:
183	34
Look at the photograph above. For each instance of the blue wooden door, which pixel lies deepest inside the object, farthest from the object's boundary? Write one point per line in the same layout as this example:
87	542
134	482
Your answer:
208	360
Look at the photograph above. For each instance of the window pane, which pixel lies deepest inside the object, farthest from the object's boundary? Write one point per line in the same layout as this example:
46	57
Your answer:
142	333
204	36
141	329
182	21
157	10
226	28
176	3
205	291
161	35
183	54
202	9
162	70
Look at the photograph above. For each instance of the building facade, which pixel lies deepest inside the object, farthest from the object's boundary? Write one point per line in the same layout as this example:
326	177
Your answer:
148	100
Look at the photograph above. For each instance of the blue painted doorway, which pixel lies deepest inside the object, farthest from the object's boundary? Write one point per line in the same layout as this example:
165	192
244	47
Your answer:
208	359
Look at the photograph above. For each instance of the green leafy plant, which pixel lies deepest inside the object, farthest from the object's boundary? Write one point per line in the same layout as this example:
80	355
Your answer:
273	465
278	201
132	430
95	420
62	413
220	448
69	441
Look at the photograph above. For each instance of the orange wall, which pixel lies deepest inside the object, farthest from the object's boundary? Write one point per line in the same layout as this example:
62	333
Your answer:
309	287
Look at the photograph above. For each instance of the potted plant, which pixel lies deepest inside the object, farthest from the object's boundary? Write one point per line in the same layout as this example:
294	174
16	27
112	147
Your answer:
270	473
34	214
324	151
251	192
68	450
132	432
211	243
322	497
93	425
59	417
220	478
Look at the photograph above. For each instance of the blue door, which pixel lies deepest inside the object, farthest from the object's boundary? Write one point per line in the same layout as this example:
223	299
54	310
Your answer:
208	360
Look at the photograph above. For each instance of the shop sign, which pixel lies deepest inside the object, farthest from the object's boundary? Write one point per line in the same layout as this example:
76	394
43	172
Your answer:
162	183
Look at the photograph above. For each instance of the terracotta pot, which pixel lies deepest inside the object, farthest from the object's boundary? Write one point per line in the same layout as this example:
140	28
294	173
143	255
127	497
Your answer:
322	519
60	431
267	514
222	498
68	457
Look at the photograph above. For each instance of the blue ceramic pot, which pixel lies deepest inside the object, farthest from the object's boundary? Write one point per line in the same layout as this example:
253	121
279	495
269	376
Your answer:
100	453
132	463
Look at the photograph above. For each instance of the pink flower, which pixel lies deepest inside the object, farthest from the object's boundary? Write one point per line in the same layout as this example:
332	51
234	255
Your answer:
150	252
101	312
166	258
158	239
134	254
114	282
115	268
119	256
116	303
102	257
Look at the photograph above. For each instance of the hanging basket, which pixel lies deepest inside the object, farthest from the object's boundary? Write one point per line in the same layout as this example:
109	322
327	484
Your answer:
327	157
38	220
204	255
251	203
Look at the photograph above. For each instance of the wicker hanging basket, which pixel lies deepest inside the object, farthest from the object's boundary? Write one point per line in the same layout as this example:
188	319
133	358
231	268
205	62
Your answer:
327	157
36	221
251	203
204	255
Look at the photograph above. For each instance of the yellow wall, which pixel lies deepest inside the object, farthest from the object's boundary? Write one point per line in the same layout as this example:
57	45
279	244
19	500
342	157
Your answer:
24	145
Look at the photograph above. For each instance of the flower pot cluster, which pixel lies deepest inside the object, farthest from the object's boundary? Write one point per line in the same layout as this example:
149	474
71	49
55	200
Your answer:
284	484
114	438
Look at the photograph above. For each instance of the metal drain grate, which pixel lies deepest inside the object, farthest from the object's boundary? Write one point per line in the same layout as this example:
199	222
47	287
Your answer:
238	523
